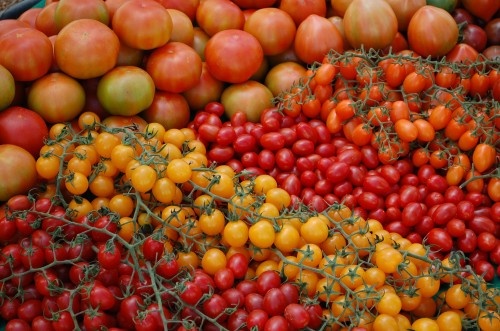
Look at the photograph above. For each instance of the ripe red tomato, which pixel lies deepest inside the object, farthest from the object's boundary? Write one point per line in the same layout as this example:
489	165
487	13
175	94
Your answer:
155	22
404	10
78	50
18	119
328	38
440	240
27	53
175	55
233	56
217	15
424	21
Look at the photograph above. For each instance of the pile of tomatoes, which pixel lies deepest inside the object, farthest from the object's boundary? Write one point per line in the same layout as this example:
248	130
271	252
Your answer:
213	167
135	229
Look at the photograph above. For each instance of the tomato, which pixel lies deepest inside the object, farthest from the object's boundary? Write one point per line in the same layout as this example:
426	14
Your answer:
484	9
26	54
329	39
217	15
8	86
178	55
432	17
274	28
155	20
18	119
63	321
207	90
250	97
169	109
20	162
69	11
17	324
404	10
113	90
233	56
77	51
439	239
214	307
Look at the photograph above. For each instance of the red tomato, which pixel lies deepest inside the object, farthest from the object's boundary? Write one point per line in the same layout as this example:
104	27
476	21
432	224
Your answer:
174	55
78	49
26	53
404	10
484	9
424	21
440	240
217	15
274	29
233	56
18	119
377	21
328	38
206	91
169	109
300	10
155	22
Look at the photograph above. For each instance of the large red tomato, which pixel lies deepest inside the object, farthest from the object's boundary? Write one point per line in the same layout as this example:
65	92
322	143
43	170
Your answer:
174	67
86	48
7	86
142	24
250	97
33	129
18	171
169	109
274	29
26	53
126	90
233	56
208	89
326	38
404	10
182	27
484	9
217	15
66	95
432	31
371	24
68	11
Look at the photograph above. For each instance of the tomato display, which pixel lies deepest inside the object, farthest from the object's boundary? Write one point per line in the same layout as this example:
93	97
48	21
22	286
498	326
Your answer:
208	165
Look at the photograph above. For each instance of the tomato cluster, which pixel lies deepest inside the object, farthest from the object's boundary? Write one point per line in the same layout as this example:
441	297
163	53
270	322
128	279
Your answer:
212	248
